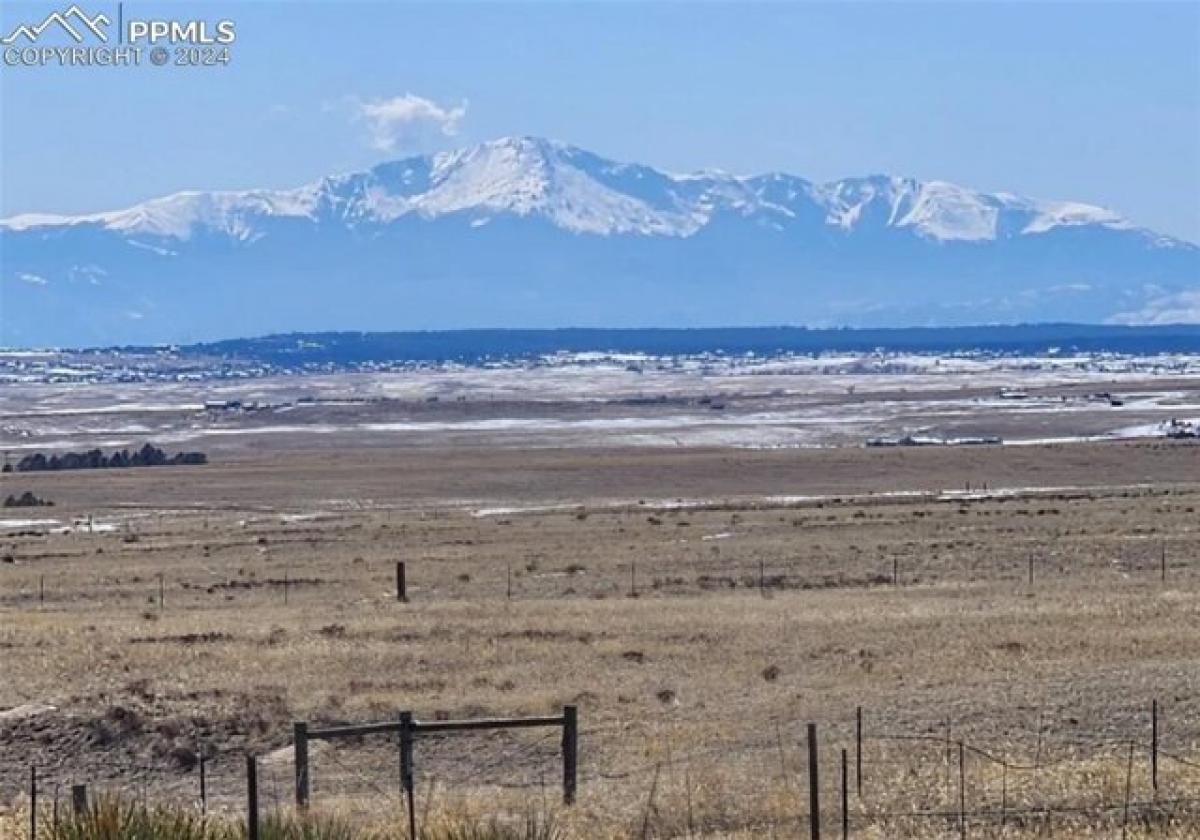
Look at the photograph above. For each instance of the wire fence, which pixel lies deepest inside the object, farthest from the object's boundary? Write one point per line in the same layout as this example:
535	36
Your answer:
692	576
864	776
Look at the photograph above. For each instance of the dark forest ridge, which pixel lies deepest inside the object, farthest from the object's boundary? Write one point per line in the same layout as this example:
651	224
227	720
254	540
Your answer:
481	344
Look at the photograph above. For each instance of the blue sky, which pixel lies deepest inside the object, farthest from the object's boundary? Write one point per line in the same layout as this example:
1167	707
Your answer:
1098	102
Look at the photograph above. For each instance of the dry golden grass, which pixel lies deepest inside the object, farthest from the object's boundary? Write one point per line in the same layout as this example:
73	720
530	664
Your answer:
703	678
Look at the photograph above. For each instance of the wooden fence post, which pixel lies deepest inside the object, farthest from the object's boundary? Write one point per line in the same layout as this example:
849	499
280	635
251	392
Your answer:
401	583
570	751
41	589
161	592
1163	562
251	797
406	770
895	571
79	799
814	789
409	729
300	749
203	785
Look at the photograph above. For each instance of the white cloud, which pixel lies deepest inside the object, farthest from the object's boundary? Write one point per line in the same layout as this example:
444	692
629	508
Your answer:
1178	308
408	122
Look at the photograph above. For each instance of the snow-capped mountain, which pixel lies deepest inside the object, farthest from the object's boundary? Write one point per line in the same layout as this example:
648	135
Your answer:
530	232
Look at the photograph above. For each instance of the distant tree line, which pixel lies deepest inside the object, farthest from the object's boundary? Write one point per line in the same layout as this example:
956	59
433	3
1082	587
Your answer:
26	499
478	345
94	459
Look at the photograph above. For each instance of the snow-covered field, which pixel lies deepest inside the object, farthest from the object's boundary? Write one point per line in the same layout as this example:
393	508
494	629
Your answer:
596	399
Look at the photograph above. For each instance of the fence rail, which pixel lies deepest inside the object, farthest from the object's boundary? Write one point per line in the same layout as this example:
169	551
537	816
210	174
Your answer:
409	729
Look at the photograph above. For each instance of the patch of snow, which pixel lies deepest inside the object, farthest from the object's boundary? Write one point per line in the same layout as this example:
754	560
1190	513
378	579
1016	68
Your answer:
301	517
1052	214
509	511
19	524
25	711
948	212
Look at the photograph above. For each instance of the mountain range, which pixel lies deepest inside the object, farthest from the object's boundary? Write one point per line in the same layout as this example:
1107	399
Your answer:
527	232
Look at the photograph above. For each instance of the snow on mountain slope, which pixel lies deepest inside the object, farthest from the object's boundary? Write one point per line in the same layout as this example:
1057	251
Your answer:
583	193
529	232
524	176
178	216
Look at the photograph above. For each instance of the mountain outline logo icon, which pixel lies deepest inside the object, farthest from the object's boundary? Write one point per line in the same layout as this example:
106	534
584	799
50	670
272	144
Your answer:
74	21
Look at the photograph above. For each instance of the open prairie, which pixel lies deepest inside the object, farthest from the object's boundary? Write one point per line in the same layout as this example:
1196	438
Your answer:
699	604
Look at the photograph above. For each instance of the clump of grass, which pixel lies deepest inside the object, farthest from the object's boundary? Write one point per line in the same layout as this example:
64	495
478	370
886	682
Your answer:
532	826
110	818
114	818
293	826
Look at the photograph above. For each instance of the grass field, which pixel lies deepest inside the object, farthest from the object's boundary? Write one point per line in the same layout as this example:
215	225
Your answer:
699	606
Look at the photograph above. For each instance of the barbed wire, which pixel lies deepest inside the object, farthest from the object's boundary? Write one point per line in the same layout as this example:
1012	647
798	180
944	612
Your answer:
355	772
729	572
942	742
471	765
992	813
1179	759
498	760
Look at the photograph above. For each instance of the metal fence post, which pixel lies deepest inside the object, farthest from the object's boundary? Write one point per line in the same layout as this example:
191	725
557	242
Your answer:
1154	744
814	786
845	799
858	751
203	784
570	750
33	806
962	790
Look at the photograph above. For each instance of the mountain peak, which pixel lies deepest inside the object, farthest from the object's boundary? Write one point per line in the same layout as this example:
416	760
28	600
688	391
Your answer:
525	231
576	190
